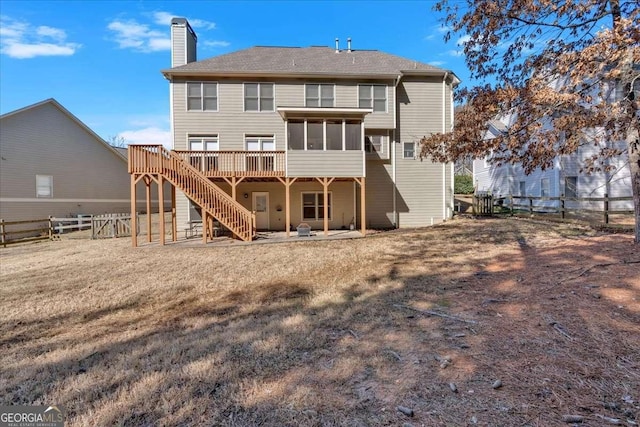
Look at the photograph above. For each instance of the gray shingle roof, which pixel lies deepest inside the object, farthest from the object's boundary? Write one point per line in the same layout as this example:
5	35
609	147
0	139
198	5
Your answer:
309	60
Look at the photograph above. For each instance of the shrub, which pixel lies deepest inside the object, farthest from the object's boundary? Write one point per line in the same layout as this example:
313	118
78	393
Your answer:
463	184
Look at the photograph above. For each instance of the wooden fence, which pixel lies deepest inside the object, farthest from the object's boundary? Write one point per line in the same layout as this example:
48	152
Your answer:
486	204
102	226
112	225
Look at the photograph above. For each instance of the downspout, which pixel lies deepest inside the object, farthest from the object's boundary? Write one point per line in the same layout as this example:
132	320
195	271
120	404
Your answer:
444	130
392	150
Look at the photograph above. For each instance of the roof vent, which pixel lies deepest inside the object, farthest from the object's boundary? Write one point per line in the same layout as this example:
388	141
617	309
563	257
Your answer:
349	45
337	45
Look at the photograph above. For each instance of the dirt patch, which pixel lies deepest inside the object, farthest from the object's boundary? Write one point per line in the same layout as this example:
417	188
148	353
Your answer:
476	322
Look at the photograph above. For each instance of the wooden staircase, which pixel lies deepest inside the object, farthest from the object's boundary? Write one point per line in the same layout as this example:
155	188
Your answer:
156	160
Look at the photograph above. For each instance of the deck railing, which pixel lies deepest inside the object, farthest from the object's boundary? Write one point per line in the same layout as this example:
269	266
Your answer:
155	159
255	164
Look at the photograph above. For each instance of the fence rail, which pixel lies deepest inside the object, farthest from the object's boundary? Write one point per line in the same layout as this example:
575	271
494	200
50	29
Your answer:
109	225
486	204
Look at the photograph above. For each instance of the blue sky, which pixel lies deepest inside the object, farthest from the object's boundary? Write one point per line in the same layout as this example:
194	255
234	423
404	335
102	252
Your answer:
102	59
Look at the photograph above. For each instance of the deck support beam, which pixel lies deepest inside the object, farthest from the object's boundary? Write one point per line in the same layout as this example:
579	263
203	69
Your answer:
287	182
161	208
325	181
174	224
147	183
363	205
134	222
205	226
233	182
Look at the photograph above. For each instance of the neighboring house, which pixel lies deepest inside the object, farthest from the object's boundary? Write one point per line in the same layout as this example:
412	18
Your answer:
563	179
291	133
53	164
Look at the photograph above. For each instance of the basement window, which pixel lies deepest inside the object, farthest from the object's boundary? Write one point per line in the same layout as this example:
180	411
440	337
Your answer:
313	206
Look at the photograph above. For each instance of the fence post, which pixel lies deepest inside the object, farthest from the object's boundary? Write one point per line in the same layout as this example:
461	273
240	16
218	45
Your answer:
510	205
4	242
50	228
562	206
606	208
531	205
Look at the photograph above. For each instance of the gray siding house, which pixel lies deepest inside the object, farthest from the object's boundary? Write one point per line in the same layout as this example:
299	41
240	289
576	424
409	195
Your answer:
317	135
53	164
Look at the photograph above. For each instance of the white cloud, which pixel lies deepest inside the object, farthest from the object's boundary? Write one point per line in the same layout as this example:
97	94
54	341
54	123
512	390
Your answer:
133	35
437	63
148	135
21	40
442	29
164	18
462	40
216	43
455	53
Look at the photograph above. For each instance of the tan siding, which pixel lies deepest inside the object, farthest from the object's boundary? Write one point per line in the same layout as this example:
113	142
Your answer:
324	163
379	185
419	183
178	35
45	141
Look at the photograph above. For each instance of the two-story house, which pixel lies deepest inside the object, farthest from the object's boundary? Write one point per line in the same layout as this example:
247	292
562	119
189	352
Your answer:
286	135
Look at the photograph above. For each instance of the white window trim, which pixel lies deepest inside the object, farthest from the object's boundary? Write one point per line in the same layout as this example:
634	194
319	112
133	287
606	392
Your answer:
260	137
317	205
333	104
201	110
404	155
202	138
385	141
542	189
386	97
50	177
324	121
259	110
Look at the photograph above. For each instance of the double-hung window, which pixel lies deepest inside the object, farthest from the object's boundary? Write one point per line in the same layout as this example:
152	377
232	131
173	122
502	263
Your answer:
319	95
313	206
259	157
571	186
259	97
44	186
202	96
544	187
374	143
373	96
204	156
409	150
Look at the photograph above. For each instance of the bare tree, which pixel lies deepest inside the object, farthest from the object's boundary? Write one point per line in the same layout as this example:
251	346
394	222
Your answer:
565	71
117	141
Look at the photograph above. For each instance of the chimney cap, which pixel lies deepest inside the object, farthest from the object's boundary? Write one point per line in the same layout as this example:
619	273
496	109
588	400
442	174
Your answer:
178	21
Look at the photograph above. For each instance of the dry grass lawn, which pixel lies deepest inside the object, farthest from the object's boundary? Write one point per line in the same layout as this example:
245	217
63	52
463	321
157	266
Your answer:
331	332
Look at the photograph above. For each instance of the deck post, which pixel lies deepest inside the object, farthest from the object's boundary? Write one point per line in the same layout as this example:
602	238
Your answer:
287	206
134	223
363	207
174	225
161	207
147	183
205	219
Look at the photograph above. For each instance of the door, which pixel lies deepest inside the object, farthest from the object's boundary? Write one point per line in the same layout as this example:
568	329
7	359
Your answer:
261	208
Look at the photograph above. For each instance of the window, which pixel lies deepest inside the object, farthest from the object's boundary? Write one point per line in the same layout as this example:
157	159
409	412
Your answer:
207	160
44	186
544	187
258	97
373	96
323	134
571	186
409	150
523	188
202	96
319	95
313	206
353	136
374	143
256	160
295	137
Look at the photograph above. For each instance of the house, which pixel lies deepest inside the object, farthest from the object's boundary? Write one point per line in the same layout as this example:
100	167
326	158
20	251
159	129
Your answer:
563	179
52	164
317	135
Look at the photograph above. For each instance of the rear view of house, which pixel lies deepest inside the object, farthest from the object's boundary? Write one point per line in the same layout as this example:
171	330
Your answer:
286	135
53	164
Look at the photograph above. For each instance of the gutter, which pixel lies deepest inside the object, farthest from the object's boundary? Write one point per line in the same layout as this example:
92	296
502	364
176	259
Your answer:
392	150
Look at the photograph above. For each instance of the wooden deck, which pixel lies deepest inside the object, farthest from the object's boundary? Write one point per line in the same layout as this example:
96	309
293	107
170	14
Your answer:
248	164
